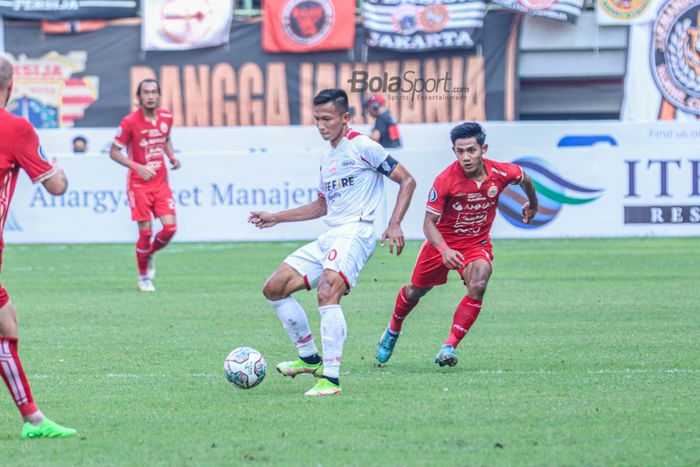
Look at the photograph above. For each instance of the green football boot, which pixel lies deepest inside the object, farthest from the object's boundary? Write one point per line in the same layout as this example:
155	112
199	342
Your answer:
298	367
46	429
324	388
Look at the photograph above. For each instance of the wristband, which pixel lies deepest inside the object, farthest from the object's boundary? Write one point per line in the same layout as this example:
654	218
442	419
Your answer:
442	247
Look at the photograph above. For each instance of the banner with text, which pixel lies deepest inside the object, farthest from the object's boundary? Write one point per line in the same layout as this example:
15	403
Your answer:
243	86
559	10
593	180
57	10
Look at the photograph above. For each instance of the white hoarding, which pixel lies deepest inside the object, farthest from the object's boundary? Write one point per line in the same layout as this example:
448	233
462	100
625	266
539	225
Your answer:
604	179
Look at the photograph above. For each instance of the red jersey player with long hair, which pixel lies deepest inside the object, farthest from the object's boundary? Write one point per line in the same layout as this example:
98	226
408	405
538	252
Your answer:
146	135
19	148
459	214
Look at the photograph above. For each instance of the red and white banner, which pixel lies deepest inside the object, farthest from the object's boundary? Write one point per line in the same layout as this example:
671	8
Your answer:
308	25
614	12
663	65
185	24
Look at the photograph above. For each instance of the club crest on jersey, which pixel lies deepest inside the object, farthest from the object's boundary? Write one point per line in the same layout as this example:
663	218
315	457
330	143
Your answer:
332	166
164	127
119	131
42	154
433	195
493	191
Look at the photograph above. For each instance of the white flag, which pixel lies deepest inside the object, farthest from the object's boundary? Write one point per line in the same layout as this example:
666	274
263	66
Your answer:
185	24
612	12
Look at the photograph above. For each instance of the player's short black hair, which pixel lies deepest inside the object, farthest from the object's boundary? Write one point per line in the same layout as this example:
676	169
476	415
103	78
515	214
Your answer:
335	95
147	80
468	130
80	138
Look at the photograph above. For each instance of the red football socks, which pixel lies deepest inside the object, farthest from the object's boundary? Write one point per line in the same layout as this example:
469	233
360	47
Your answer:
143	250
163	237
15	379
466	313
402	308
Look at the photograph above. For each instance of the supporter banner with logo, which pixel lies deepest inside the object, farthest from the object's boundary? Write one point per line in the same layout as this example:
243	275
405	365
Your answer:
559	10
593	180
299	26
443	24
243	86
47	91
617	12
663	66
56	10
185	24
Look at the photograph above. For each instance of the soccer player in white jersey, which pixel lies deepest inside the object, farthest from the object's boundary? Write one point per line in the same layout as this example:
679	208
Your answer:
350	191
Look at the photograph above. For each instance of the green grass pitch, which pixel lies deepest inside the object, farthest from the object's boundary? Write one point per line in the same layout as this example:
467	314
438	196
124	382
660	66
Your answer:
586	352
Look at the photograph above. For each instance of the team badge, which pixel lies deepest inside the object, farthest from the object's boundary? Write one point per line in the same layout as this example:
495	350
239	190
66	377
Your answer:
675	54
164	127
624	9
332	166
119	131
308	22
434	18
433	195
493	191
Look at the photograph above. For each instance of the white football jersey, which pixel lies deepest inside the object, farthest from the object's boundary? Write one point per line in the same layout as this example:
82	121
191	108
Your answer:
352	178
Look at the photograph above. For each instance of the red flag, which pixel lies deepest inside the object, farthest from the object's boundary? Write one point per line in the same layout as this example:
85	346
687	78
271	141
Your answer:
308	25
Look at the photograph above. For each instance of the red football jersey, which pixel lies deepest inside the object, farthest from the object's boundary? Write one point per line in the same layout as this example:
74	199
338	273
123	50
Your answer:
19	147
467	208
145	143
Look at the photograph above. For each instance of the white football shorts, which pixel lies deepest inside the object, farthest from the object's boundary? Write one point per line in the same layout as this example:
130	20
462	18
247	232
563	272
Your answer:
345	249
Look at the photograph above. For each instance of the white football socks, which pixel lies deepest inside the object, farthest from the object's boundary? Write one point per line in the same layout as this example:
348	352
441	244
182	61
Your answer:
333	332
296	324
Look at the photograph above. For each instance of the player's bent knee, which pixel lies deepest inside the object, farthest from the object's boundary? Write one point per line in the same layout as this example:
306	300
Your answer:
331	288
414	293
477	287
169	230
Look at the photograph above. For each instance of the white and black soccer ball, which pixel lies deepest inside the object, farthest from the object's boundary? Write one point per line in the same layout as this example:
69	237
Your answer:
245	367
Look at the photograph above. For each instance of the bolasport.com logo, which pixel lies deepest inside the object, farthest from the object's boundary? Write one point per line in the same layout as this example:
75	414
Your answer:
409	85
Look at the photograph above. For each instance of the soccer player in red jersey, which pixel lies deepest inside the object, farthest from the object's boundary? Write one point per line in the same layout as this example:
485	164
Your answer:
459	214
19	148
146	135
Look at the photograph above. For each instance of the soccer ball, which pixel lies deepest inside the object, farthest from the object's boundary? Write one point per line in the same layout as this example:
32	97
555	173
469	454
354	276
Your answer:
245	367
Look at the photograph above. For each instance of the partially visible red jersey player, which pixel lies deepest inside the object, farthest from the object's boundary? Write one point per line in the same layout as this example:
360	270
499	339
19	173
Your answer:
145	133
19	148
459	215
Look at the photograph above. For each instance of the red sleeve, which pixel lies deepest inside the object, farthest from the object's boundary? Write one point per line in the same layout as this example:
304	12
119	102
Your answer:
438	196
514	173
30	156
123	137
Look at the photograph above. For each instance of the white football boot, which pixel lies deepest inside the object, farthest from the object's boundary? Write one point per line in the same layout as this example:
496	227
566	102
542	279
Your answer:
145	285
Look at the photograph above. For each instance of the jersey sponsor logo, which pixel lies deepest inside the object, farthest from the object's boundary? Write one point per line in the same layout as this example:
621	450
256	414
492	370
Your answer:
552	192
475	197
164	127
675	54
308	22
340	183
347	163
493	191
457	206
499	172
143	143
460	194
433	196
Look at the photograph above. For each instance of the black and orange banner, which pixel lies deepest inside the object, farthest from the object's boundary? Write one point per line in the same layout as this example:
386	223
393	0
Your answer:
300	26
241	85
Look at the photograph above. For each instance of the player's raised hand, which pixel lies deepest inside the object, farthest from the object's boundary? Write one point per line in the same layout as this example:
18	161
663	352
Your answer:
453	259
262	219
144	171
175	163
394	234
528	212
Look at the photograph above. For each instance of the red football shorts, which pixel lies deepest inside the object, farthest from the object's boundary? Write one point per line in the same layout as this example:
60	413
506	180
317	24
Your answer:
145	201
431	271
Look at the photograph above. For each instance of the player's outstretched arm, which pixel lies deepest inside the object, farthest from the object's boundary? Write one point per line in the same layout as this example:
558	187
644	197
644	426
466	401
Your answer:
145	172
453	259
530	207
393	232
313	210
